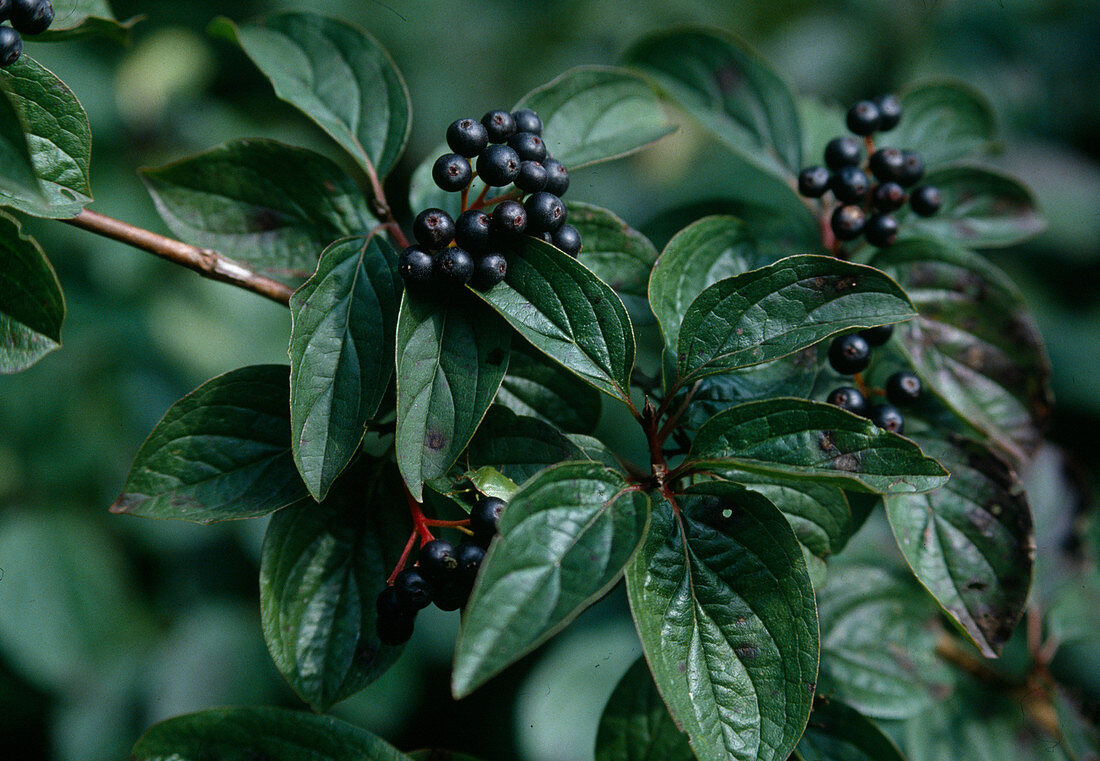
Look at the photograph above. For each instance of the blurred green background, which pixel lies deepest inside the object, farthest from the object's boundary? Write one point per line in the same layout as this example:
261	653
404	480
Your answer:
108	624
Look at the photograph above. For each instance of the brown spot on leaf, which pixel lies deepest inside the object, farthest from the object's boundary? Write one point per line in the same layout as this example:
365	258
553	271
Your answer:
263	219
826	441
977	586
495	357
729	78
435	441
747	652
848	462
847	283
682	666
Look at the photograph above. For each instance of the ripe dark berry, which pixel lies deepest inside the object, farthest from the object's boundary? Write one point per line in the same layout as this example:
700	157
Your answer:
532	177
813	181
486	515
848	398
850	185
545	212
888	196
557	177
433	229
912	169
877	336
31	16
842	152
509	219
415	265
395	629
889	112
903	389
452	172
467	137
847	222
453	265
863	118
528	146
527	121
888	418
469	556
568	239
926	200
411	589
881	230
488	271
388	603
11	46
450	593
886	164
472	231
498	165
436	559
849	354
499	125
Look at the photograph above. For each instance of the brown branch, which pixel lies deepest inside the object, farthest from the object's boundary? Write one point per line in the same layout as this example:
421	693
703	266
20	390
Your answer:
209	264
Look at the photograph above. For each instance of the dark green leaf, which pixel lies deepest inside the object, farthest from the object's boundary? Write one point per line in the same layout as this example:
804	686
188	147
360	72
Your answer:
839	733
728	89
636	725
1080	736
817	442
17	175
271	205
221	452
343	326
337	75
274	734
569	314
538	388
83	18
321	570
943	121
878	643
974	342
596	113
59	138
563	542
1074	613
451	357
971	542
518	446
726	615
32	306
777	310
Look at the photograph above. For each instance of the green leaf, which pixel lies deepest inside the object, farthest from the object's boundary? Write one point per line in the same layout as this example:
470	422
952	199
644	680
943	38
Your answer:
337	75
726	615
974	342
596	113
538	388
636	725
563	542
981	209
971	543
343	332
32	306
59	138
220	453
730	90
837	732
943	121
17	175
262	202
321	570
817	442
275	734
86	18
518	446
878	643
451	357
569	314
1080	736
777	310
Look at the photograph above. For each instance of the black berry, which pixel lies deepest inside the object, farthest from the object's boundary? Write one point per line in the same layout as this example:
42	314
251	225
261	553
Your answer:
557	177
847	222
467	137
11	46
388	603
877	336
888	196
889	112
848	398
499	125
843	151
849	354
881	230
903	389
433	229
31	16
509	219
411	589
568	239
395	629
415	265
498	165
813	181
926	200
472	231
532	177
436	559
888	418
886	164
863	118
452	172
545	212
528	146
544	236
912	169
469	556
527	121
850	185
488	271
454	265
450	593
486	515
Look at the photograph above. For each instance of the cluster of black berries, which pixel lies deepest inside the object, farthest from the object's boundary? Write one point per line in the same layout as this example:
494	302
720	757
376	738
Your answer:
27	17
851	354
444	574
863	208
508	148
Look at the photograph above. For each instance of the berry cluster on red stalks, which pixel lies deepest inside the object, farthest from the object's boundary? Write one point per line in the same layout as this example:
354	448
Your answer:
850	355
863	195
443	574
28	18
507	150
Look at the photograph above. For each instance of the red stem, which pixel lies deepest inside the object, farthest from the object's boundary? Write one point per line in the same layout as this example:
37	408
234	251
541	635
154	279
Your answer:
404	558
